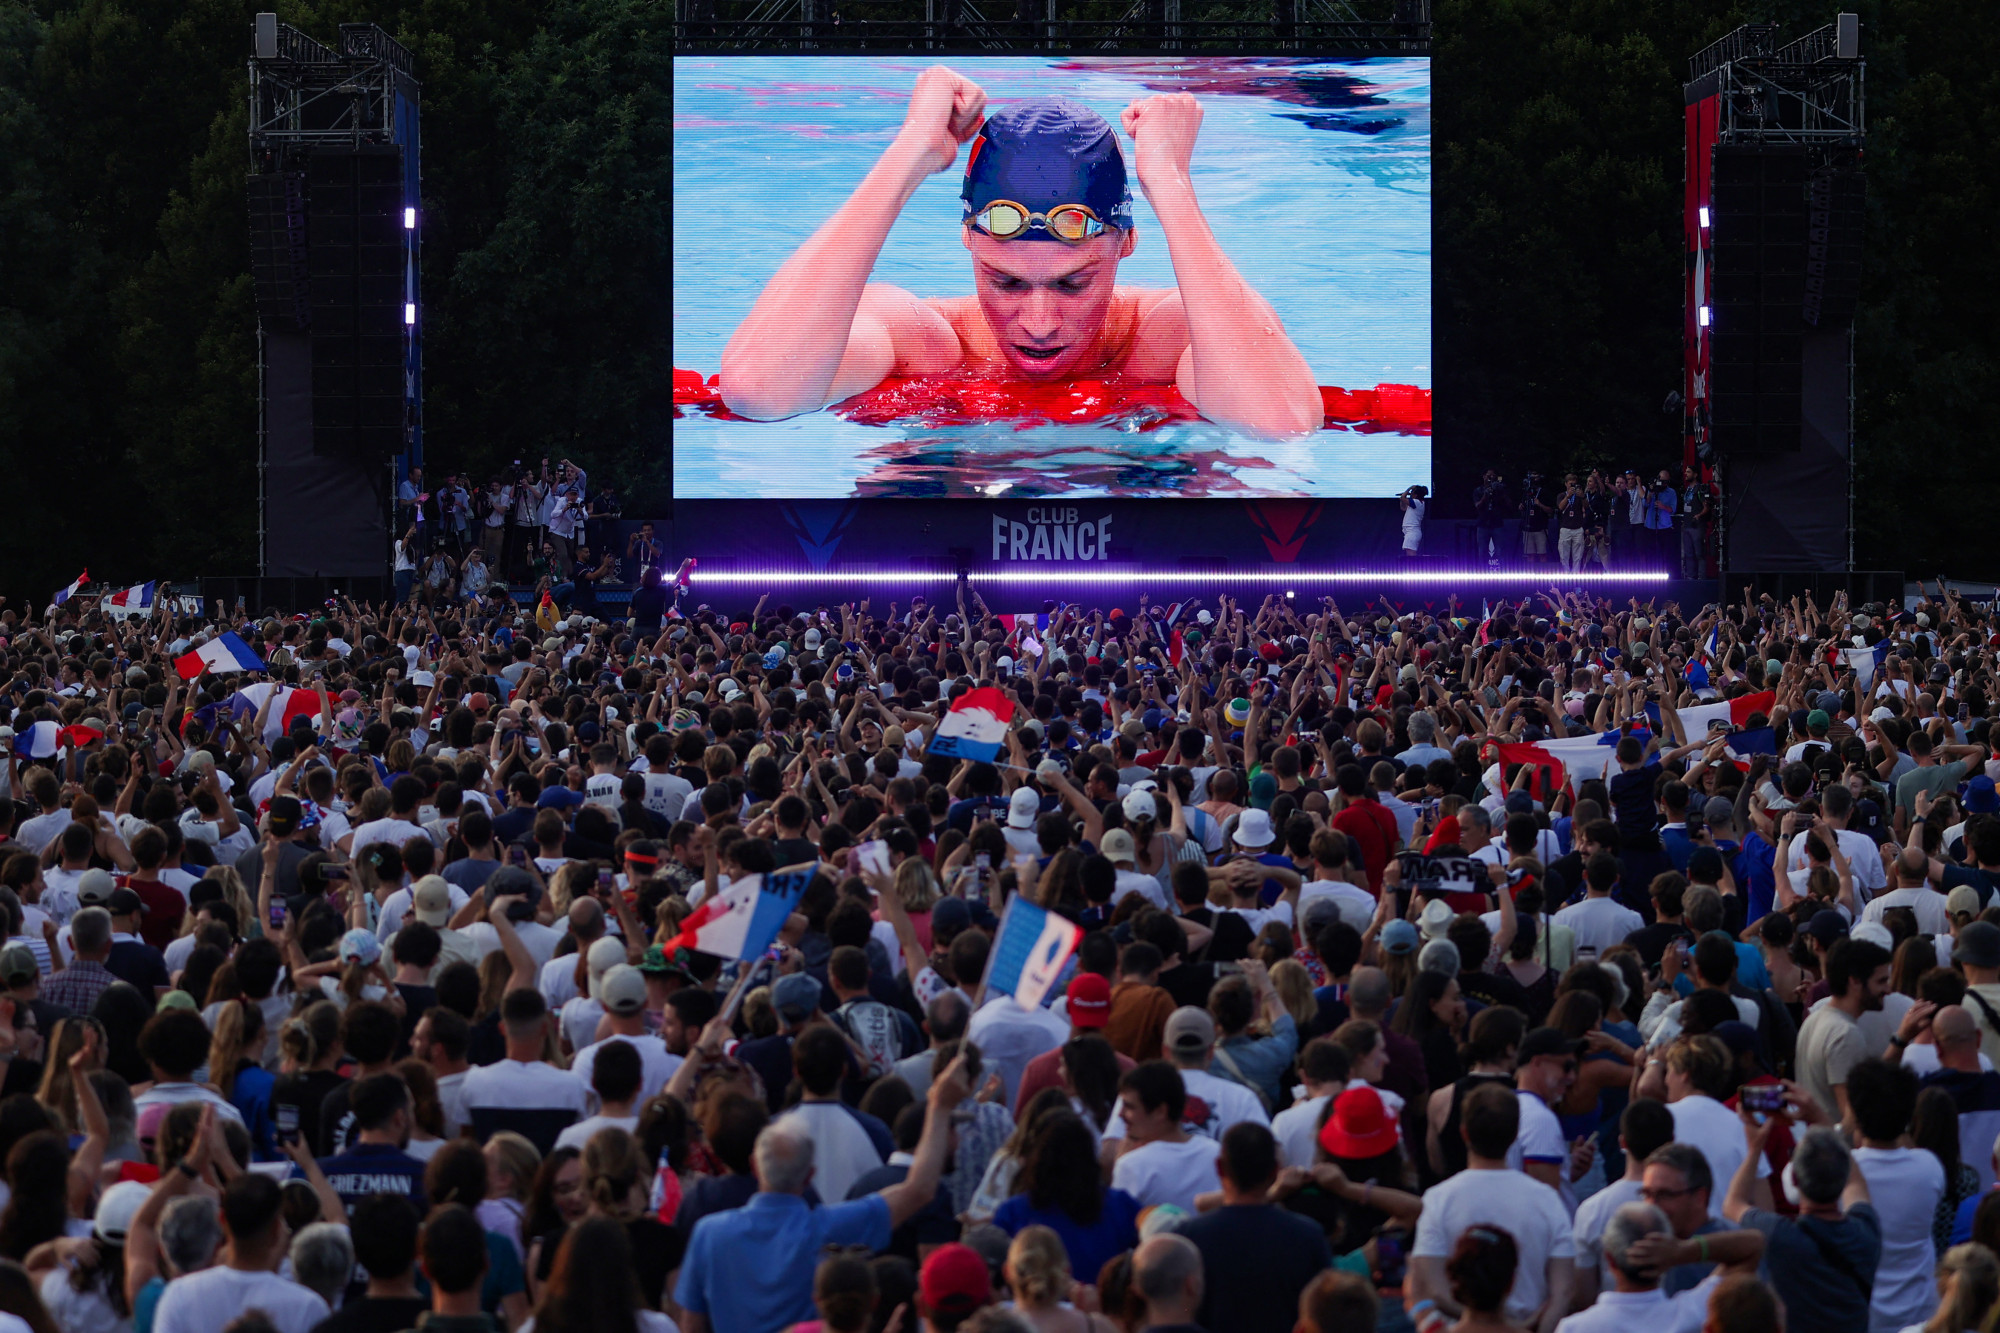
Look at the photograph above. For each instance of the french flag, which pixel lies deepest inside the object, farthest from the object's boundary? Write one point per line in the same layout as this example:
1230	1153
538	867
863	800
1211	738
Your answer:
1736	712
138	597
38	740
72	589
84	733
224	653
291	703
976	726
1865	662
1029	952
742	920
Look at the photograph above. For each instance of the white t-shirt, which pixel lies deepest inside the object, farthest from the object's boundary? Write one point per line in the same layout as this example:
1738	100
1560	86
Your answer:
1539	1139
1600	923
579	1134
391	830
1921	1058
517	1085
1214	1104
1927	902
1162	1172
1654	1311
602	789
1905	1185
842	1150
1258	917
173	1094
1146	886
1009	1036
656	1065
1705	1123
1864	858
205	1301
1592	1216
1529	1211
666	793
1356	904
1296	1128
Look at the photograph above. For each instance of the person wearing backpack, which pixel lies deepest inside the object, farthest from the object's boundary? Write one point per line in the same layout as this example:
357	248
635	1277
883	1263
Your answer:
883	1035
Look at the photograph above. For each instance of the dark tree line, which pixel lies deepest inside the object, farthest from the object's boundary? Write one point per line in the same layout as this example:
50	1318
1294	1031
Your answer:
127	393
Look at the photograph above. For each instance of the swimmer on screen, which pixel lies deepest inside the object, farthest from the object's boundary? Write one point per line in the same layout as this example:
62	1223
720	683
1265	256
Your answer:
1048	215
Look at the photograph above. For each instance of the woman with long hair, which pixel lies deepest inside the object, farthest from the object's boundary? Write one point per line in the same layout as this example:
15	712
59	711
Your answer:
591	1287
20	1298
1061	1187
37	1208
309	1054
1003	1169
1295	992
120	1012
233	1071
55	1091
555	1204
1934	1125
615	1183
1038	1273
845	1292
1968	1281
426	1110
1090	1075
917	890
511	1163
1433	1016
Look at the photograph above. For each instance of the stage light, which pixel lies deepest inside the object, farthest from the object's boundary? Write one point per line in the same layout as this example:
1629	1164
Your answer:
1532	577
1704	217
410	219
1289	594
409	312
1701	316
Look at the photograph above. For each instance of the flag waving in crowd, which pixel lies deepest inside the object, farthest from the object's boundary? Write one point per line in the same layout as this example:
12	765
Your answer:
976	726
222	654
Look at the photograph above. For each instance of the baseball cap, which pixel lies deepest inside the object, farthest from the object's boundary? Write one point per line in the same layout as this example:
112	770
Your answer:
1089	1000
124	902
1981	798
1263	791
1189	1031
1877	933
1961	901
1547	1041
17	964
118	1209
1738	1036
430	901
949	915
285	812
1139	804
655	963
360	946
1117	846
1022	807
1043	152
95	887
1827	926
1399	937
623	990
795	996
954	1280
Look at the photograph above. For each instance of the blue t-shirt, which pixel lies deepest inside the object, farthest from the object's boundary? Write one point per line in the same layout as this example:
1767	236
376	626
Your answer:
787	1239
1754	876
1090	1247
374	1168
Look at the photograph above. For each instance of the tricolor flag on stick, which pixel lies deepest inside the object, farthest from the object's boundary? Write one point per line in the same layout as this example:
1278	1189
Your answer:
976	726
224	653
72	589
1029	952
291	703
1736	712
138	597
742	920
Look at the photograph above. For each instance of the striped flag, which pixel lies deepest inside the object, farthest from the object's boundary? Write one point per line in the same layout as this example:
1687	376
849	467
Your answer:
1029	952
742	920
976	726
224	653
38	740
1736	712
138	597
72	589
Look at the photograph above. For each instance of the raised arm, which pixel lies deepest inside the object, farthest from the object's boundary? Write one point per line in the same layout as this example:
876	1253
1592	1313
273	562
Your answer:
820	331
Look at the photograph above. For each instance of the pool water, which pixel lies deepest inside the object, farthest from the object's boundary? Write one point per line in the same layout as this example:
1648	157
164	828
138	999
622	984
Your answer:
1314	176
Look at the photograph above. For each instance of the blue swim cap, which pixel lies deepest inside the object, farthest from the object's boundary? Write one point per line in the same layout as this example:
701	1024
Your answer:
1047	151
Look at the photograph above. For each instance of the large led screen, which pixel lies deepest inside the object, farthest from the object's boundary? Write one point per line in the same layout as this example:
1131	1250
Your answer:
1062	277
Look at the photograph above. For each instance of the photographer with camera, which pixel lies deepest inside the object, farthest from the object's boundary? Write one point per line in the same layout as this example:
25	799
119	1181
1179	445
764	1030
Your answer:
1413	501
1535	514
1572	523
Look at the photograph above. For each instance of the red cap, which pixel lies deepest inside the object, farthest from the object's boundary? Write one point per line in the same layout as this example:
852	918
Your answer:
1269	651
1089	1000
478	703
954	1281
1360	1125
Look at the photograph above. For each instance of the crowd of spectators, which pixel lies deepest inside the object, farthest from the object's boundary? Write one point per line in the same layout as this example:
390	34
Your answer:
356	994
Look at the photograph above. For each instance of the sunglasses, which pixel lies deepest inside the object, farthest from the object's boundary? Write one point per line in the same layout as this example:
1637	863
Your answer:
1072	224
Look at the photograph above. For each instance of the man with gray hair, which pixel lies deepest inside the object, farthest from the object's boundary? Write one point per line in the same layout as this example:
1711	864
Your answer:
1639	1245
786	1237
323	1259
1166	1274
1823	1261
79	984
1423	751
944	1020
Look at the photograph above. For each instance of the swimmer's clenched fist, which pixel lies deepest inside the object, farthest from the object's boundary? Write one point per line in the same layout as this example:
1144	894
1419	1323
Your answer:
1047	217
944	113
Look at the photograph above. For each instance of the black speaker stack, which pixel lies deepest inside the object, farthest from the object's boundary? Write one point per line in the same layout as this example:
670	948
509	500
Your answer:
356	256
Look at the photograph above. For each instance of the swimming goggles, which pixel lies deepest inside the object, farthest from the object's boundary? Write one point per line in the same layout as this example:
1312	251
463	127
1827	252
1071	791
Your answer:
1072	224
